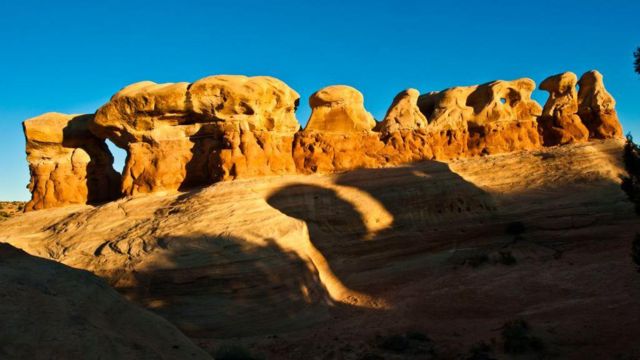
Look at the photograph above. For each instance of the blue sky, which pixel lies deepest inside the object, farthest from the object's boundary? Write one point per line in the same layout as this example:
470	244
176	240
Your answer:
71	56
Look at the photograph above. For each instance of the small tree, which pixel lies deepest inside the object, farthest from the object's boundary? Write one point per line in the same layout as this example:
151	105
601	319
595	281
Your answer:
636	63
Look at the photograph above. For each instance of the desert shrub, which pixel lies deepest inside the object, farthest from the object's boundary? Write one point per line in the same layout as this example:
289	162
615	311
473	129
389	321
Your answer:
480	351
4	214
412	342
515	228
635	251
517	338
416	335
631	182
476	260
395	343
233	352
506	258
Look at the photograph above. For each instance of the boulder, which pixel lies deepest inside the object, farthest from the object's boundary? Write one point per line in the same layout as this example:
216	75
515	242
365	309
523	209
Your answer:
559	123
67	163
404	114
218	128
338	135
596	107
339	108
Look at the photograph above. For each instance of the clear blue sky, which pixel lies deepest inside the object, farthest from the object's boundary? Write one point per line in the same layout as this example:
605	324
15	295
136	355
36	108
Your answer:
71	56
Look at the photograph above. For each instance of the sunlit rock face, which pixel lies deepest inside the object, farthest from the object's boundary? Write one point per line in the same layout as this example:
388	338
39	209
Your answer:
491	118
217	128
181	135
68	164
339	135
596	107
560	123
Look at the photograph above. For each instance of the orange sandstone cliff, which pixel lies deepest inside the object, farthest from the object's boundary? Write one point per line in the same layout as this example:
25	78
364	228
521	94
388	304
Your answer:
225	127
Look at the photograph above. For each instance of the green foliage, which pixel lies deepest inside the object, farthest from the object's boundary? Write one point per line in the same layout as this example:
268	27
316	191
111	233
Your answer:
517	338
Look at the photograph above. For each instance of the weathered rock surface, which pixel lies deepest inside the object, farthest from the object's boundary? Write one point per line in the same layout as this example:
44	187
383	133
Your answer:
560	123
218	128
373	251
404	114
339	108
491	118
228	127
596	107
68	164
51	311
338	135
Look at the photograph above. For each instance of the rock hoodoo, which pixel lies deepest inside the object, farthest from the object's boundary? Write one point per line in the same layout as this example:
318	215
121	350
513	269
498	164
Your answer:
339	108
338	135
68	164
596	107
224	127
219	127
404	114
560	123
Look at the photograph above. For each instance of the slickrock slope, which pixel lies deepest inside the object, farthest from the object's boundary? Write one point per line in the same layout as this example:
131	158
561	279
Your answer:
51	311
329	261
68	164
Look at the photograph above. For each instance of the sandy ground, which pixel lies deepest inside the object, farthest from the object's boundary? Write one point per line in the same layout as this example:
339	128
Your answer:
333	266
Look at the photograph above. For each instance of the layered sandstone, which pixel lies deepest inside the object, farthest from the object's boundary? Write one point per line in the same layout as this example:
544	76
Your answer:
560	123
339	135
339	108
218	128
596	107
52	311
180	135
491	118
67	163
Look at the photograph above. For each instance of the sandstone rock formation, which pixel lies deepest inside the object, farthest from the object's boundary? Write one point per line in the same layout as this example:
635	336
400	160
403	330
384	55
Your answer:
68	164
404	114
560	123
51	311
227	127
596	107
339	108
495	117
338	135
219	127
262	256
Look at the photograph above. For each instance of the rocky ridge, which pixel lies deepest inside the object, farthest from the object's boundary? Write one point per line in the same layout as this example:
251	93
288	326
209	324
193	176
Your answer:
181	135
